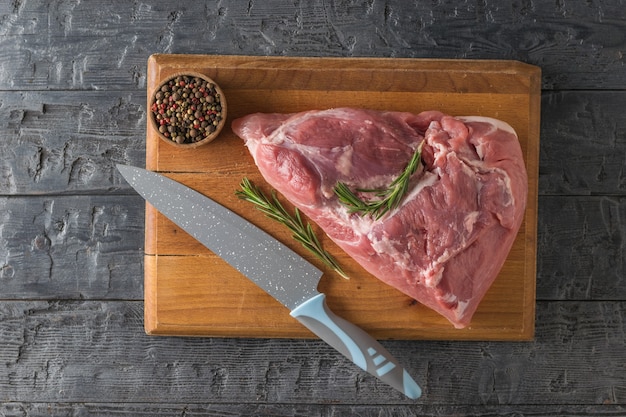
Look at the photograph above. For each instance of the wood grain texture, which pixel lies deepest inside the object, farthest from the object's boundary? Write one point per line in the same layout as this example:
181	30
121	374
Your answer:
302	410
73	45
85	351
69	142
583	248
586	150
63	143
71	247
191	292
39	231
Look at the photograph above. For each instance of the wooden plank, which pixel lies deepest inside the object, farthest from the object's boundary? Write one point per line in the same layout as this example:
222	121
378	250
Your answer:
199	409
189	292
71	352
585	148
72	46
582	248
60	142
72	247
99	253
69	142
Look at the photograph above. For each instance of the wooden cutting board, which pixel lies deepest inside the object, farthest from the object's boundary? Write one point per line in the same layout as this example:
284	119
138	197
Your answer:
190	291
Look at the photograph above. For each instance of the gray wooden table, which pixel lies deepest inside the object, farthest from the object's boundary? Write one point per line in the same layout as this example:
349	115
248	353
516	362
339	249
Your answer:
72	94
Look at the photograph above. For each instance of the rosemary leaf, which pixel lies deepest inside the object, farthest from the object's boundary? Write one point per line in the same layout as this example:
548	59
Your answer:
272	208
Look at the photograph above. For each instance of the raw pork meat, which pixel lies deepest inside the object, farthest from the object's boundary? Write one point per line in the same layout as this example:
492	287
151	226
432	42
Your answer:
447	240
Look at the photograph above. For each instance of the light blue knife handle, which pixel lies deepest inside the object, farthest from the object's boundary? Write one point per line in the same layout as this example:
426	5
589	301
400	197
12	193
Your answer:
355	344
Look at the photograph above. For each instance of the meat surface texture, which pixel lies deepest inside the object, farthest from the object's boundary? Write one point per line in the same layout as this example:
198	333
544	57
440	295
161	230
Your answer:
446	242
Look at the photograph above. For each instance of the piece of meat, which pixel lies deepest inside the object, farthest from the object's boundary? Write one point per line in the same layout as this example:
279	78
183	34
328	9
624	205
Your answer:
447	240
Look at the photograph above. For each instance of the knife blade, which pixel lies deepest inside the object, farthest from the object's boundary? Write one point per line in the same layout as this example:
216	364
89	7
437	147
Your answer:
273	266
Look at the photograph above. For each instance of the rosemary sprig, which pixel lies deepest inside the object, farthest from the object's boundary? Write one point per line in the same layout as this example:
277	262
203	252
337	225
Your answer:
386	198
273	209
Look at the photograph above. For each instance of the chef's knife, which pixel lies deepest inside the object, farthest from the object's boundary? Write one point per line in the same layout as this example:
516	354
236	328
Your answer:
274	267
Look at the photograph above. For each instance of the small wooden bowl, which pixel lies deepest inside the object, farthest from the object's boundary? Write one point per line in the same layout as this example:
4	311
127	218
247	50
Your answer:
158	116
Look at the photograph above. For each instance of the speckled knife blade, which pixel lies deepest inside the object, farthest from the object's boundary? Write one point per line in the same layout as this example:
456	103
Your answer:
274	267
